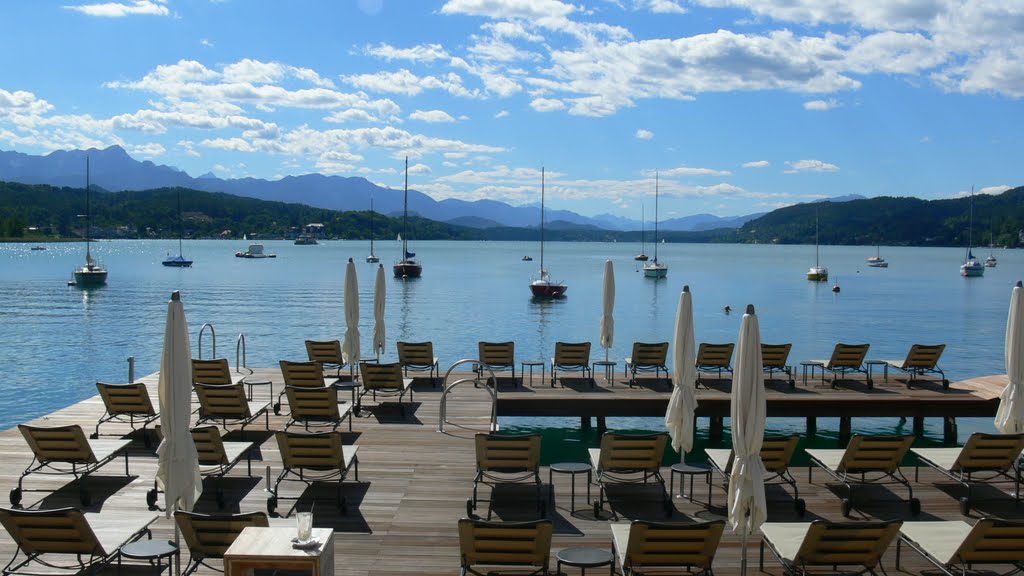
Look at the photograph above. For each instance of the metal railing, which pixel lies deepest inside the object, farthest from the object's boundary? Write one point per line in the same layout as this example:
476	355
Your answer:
442	418
240	353
212	333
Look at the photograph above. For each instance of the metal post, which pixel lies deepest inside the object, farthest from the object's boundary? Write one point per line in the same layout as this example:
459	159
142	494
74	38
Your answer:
131	369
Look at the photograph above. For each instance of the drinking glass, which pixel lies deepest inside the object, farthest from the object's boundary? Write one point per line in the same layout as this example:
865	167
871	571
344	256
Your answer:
304	524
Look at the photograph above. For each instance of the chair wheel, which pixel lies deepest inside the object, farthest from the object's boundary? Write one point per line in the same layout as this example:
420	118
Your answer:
915	507
16	497
965	506
470	507
85	499
277	409
151	496
146	440
597	508
271	505
846	507
94	436
801	507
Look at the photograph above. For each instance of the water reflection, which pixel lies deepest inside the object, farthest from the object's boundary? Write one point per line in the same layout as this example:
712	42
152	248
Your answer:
544	312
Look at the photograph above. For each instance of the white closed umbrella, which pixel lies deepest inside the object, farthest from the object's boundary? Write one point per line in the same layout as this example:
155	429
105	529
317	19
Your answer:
350	347
1010	415
379	299
608	309
683	402
747	506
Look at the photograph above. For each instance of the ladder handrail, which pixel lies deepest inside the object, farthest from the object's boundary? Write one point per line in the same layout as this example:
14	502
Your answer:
442	418
240	345
213	333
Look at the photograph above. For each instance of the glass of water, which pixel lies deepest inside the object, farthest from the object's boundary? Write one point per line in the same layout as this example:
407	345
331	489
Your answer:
304	524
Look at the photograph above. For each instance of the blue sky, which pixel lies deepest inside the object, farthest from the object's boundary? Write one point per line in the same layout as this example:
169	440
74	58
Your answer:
740	106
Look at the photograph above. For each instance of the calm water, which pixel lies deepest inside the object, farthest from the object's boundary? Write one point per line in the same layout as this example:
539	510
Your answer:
58	340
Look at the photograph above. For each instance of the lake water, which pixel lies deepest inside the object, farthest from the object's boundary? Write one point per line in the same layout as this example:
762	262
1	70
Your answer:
57	341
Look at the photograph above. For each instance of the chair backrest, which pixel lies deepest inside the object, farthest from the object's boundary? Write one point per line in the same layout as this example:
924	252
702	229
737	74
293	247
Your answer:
312	403
498	354
507	452
714	355
572	354
312	450
923	356
381	376
846	543
993	541
222	400
775	355
210	535
989	452
303	374
672	544
505	543
327	352
777	452
875	453
214	371
58	443
649	353
848	356
416	353
126	398
632	452
209	446
57	531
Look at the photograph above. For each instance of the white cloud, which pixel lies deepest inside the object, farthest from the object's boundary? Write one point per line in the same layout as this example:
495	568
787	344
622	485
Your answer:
22	102
502	114
810	166
432	116
547	104
206	42
351	115
406	83
418	169
421	53
122	9
822	105
995	190
149	150
660	6
642	134
757	164
688	171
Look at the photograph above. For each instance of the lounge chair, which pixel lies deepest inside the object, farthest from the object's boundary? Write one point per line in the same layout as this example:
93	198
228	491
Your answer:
800	545
506	458
921	359
957	548
93	540
714	358
300	375
571	357
994	456
208	536
642	545
126	403
846	358
419	357
386	380
628	458
215	371
216	459
328	354
774	357
646	357
504	544
498	356
227	404
316	407
314	457
776	454
65	450
878	456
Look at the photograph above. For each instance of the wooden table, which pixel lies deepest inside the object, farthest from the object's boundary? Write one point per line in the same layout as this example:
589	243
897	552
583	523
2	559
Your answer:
258	548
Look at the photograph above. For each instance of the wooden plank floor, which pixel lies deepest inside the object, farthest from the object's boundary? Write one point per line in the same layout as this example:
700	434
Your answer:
414	482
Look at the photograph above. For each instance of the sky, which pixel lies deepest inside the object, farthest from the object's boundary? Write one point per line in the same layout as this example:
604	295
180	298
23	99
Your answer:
727	107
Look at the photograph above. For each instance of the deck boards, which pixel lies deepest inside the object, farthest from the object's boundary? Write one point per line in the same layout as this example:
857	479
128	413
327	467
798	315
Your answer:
414	480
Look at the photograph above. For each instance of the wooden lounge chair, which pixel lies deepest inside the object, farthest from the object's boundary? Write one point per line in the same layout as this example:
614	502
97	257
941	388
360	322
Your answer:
847	358
227	404
126	403
774	357
498	355
216	459
314	457
571	357
215	371
316	407
921	359
956	547
419	357
878	456
386	380
504	544
89	540
776	455
643	545
799	545
714	358
208	536
646	357
506	458
328	354
300	375
62	450
993	456
628	458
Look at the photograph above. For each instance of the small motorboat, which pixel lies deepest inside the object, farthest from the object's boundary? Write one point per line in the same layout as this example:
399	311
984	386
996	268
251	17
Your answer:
527	258
39	248
254	251
990	262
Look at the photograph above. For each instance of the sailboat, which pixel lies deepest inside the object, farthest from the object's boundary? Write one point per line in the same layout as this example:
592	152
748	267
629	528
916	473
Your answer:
817	273
655	269
991	261
642	256
179	261
407	267
971	268
372	257
877	261
92	274
543	287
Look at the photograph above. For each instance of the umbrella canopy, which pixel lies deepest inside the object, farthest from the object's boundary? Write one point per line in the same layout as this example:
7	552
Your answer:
608	308
1010	415
350	347
679	417
747	507
379	298
178	469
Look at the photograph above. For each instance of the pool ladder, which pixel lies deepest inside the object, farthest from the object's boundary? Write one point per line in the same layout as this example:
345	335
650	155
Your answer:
240	363
442	418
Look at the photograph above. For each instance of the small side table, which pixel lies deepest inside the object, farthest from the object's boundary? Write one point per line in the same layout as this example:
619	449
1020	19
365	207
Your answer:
571	468
683	470
531	364
812	365
350	385
609	370
584	557
151	551
250	382
885	370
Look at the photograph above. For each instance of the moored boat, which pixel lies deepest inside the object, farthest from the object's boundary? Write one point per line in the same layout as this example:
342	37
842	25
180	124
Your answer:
305	240
877	261
972	267
92	274
255	251
372	258
654	268
642	256
817	273
407	267
544	287
178	261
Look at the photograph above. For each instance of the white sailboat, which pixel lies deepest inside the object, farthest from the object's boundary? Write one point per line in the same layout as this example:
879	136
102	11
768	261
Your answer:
407	267
877	261
543	287
92	274
654	268
817	273
971	268
991	261
372	257
179	261
642	256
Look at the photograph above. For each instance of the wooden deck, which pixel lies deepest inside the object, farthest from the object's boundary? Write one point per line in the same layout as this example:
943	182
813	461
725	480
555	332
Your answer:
414	481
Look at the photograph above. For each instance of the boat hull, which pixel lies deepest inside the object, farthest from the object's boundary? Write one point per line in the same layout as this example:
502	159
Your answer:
878	264
972	270
817	274
656	271
640	257
407	269
547	290
90	276
371	258
177	262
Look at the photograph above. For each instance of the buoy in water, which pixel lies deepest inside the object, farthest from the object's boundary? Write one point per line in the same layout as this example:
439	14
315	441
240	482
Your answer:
835	287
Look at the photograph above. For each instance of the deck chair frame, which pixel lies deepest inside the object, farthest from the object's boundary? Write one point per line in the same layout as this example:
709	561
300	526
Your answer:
506	459
989	541
713	358
846	359
830	544
213	371
776	455
127	404
300	375
877	455
628	459
504	544
387	380
994	456
311	457
499	356
571	357
646	357
330	355
64	450
318	407
419	357
921	359
208	536
216	459
774	358
643	544
227	405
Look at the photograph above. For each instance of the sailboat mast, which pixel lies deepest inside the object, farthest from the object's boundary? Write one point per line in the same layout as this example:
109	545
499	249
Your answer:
655	216
816	238
88	214
643	246
542	222
181	224
970	228
371	225
405	214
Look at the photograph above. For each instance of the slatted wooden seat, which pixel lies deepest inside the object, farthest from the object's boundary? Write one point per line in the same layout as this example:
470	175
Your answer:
775	357
642	546
328	354
799	546
216	459
215	371
992	456
571	357
646	357
386	380
316	407
628	459
776	455
126	403
504	544
714	358
227	405
506	458
866	460
208	536
847	358
498	356
300	375
419	357
921	359
956	548
314	457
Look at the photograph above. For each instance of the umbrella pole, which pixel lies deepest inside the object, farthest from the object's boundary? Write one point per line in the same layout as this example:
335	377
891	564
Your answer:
743	552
